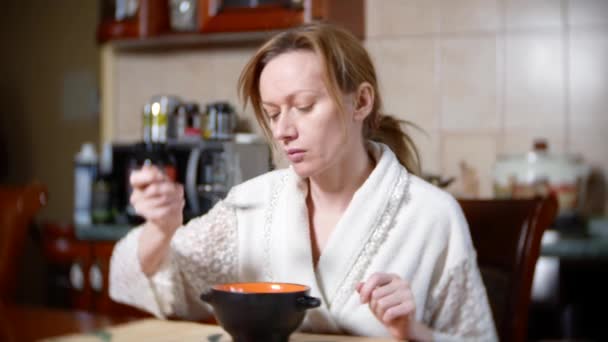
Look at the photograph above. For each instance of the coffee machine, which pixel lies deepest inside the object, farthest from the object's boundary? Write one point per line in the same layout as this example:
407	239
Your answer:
208	169
215	167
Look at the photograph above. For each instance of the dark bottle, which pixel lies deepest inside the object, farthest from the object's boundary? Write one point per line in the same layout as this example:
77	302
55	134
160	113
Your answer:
103	205
158	154
194	122
153	153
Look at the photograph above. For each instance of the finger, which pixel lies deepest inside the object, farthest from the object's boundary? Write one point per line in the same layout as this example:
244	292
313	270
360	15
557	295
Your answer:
387	302
155	198
135	197
155	202
159	171
160	213
375	280
162	188
359	286
145	176
399	311
385	290
160	200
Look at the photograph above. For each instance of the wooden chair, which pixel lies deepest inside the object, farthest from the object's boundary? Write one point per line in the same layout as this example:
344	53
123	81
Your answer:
507	236
18	205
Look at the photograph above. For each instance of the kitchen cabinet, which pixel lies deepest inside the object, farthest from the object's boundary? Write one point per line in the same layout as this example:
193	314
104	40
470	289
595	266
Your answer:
143	19
78	272
167	20
78	260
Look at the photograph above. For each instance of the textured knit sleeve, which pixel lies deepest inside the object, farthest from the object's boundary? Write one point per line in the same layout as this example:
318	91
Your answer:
202	253
459	308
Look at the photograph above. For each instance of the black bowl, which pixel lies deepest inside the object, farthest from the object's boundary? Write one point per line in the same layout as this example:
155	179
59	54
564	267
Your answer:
267	312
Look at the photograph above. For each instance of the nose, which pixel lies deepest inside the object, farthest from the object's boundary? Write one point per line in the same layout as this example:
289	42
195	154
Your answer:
284	128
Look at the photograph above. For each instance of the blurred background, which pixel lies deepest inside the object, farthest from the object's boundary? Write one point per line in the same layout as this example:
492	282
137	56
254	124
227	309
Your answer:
511	97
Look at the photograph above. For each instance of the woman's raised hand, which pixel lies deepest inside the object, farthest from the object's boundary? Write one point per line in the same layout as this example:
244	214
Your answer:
157	198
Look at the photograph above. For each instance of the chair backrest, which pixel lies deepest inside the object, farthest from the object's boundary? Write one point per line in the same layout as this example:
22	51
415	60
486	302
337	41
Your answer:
18	205
507	235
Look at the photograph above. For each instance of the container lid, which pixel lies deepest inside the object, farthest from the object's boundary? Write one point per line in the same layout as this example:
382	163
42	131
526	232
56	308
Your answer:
538	165
87	153
105	164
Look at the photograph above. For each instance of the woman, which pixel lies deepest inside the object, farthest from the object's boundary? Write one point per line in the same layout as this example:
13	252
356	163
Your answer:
387	253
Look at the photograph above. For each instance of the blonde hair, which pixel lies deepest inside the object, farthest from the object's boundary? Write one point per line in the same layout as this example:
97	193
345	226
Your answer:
347	65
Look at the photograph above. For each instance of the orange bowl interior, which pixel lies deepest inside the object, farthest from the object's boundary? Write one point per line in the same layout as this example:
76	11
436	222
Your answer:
261	287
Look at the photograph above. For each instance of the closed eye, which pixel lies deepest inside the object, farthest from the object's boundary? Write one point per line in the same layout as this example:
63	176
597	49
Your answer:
307	108
271	114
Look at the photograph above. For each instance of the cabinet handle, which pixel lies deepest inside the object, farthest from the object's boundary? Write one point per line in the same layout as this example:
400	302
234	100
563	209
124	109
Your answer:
76	276
96	278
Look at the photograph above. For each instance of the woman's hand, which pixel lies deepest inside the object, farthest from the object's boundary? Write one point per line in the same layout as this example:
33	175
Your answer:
160	201
392	302
157	198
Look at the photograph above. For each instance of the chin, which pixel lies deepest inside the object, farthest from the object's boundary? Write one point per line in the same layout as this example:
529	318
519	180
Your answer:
304	170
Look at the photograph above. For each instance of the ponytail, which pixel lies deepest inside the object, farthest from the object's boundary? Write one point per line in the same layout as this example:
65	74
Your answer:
389	131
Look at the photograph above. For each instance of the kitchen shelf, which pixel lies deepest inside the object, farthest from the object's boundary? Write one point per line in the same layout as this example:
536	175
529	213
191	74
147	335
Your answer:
191	40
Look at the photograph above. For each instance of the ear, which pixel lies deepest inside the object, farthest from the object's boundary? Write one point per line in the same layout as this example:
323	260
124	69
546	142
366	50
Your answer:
364	101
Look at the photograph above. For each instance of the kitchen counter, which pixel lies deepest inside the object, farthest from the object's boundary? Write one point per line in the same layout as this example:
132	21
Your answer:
101	232
577	248
570	247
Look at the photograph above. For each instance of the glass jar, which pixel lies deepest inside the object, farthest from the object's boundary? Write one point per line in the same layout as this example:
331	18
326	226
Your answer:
538	172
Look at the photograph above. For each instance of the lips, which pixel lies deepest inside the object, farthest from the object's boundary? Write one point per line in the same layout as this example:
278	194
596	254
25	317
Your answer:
295	155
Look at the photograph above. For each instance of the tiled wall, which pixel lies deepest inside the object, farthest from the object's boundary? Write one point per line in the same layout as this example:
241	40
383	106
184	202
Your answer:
486	77
481	77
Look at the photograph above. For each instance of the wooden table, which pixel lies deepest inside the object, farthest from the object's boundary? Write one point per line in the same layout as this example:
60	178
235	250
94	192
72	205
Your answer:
50	325
22	324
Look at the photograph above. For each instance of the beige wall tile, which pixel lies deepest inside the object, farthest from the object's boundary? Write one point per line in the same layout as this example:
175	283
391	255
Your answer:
226	66
534	94
138	77
591	141
469	84
398	17
478	152
406	74
588	12
526	14
588	76
428	144
186	72
470	15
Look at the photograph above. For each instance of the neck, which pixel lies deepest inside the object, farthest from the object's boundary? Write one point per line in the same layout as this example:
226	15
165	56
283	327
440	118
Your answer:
334	187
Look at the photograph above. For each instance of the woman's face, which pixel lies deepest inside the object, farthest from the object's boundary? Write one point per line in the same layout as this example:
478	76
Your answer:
304	120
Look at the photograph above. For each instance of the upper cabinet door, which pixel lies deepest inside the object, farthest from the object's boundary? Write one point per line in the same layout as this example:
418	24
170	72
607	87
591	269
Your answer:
132	19
262	15
251	15
143	19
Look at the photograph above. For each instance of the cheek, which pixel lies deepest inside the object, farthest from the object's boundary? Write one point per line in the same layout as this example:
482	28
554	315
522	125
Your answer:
331	140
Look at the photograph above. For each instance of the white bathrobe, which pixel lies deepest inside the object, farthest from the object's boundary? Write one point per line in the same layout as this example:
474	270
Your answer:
395	223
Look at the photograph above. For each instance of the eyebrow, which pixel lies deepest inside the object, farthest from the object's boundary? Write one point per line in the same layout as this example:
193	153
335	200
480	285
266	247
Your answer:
292	95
